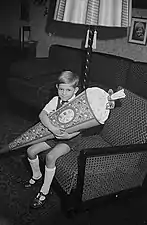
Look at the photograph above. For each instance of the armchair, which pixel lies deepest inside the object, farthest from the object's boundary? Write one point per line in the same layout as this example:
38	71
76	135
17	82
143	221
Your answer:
107	163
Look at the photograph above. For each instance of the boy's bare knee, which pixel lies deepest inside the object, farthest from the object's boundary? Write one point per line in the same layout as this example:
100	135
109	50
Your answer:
56	152
63	148
31	152
50	158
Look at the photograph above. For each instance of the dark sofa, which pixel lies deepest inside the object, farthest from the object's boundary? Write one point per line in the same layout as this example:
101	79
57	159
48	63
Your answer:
32	81
106	163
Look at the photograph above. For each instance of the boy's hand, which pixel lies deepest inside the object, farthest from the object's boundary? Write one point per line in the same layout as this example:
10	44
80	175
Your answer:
57	131
65	135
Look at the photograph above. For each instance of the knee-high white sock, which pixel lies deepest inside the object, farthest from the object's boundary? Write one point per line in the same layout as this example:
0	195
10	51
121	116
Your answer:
49	174
34	163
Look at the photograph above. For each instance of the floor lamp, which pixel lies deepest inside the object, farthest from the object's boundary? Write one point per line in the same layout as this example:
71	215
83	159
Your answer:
93	13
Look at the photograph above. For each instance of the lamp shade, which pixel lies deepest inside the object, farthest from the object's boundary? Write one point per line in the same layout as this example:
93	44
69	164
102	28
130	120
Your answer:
115	13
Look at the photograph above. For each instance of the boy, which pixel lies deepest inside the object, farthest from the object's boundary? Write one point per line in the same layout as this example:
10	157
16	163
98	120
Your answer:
67	87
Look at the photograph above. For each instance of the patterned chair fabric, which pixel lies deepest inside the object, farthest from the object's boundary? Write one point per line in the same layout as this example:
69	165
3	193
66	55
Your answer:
127	124
67	165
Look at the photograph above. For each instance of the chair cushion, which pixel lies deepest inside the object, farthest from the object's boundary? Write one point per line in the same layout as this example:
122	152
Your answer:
127	124
94	141
67	165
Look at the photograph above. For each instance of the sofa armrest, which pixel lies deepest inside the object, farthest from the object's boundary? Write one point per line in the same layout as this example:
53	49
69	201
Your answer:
110	170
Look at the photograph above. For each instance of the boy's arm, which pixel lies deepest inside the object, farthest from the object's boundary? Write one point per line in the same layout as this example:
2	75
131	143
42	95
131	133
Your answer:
47	123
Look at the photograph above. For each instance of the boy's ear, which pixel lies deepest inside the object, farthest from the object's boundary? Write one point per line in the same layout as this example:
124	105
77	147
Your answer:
76	90
57	86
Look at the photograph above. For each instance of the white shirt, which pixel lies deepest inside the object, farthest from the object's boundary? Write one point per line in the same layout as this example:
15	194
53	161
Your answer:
52	105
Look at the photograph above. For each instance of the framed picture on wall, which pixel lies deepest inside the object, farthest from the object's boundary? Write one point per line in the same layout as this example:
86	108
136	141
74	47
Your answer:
138	31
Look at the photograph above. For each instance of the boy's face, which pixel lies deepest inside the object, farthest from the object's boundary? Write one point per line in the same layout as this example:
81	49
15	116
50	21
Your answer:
66	91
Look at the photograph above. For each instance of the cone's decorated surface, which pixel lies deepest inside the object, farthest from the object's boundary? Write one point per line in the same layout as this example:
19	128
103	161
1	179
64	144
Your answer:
74	113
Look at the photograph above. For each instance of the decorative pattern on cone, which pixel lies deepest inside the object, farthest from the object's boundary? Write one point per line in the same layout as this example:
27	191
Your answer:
76	112
72	114
36	132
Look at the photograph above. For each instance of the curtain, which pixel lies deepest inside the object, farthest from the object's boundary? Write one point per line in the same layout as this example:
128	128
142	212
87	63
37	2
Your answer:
95	12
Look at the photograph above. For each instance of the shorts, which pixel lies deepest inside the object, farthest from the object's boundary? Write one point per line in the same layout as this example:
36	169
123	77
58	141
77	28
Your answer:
72	143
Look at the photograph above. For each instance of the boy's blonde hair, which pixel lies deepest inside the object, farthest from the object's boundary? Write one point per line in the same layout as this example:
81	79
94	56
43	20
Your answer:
68	77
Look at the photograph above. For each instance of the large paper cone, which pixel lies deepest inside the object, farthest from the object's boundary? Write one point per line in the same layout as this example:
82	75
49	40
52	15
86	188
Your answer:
87	110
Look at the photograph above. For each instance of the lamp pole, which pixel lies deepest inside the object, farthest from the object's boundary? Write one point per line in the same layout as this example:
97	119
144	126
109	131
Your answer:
87	57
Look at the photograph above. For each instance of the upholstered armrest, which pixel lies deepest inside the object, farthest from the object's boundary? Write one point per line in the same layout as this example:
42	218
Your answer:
103	171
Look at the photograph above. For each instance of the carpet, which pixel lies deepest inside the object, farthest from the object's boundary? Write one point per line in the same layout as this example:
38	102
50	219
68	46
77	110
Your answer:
14	198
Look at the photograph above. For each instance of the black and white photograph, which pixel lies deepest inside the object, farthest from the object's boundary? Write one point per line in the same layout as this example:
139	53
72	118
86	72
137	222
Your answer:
73	112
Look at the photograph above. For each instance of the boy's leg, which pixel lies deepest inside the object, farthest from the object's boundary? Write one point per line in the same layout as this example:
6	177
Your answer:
50	169
33	150
34	161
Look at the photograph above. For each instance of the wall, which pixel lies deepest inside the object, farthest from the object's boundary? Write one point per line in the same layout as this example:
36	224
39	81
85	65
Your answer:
9	17
10	23
118	46
121	47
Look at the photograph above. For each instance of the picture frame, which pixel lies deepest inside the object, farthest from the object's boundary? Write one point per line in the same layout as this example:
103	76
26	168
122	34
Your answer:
138	31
